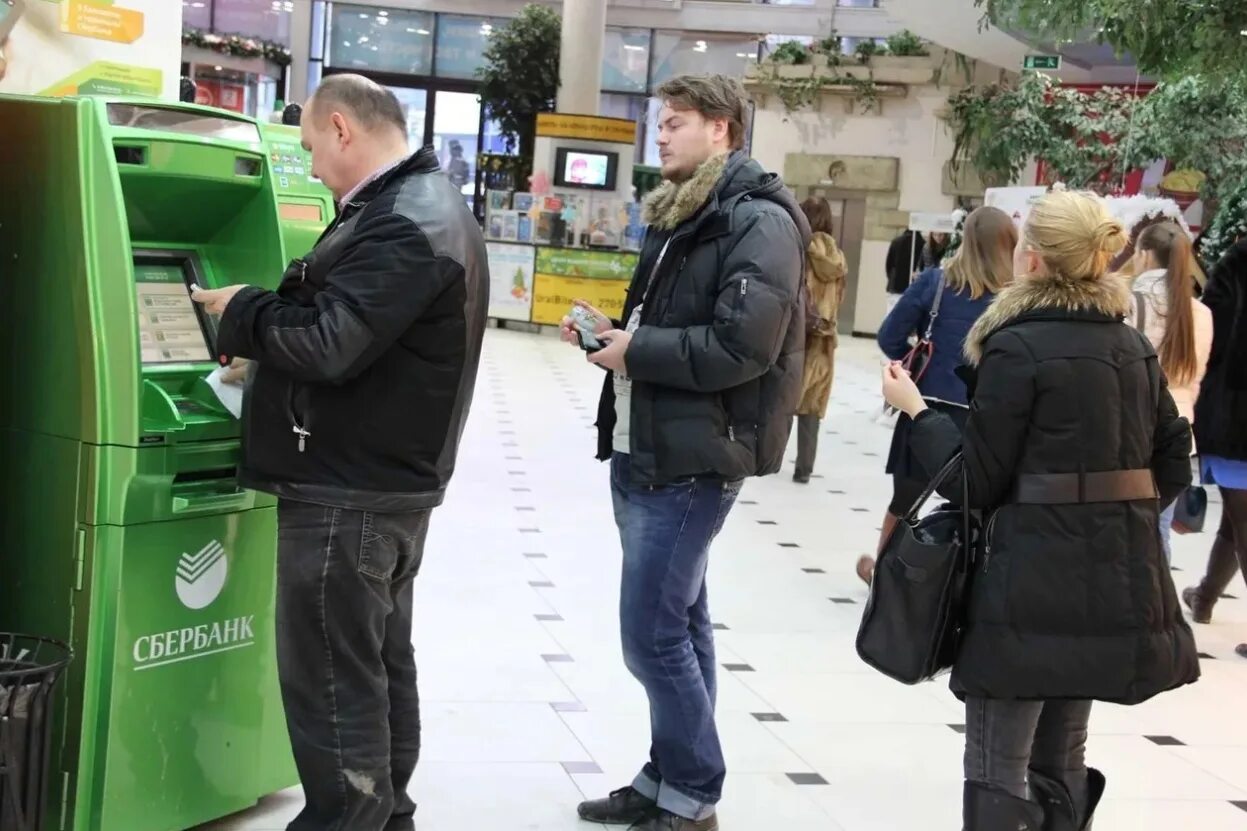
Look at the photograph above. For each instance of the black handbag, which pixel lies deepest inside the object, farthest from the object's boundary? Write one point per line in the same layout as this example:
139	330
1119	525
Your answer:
1190	510
918	360
911	626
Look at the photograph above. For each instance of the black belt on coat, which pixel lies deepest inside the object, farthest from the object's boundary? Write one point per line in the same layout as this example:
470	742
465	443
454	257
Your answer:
1081	488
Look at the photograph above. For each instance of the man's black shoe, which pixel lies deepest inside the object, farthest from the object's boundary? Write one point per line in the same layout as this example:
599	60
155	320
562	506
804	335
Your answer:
625	806
666	821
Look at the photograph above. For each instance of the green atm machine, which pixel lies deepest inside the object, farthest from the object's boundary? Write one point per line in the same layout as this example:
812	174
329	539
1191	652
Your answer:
125	531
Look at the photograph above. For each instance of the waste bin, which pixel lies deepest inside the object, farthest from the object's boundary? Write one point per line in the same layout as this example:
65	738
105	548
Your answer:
29	667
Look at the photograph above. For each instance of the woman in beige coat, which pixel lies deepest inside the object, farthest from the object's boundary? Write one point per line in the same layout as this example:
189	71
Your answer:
1164	309
825	274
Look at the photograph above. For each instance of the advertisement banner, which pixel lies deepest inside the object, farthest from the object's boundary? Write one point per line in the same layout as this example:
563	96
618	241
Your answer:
1015	201
91	47
576	262
554	294
510	281
587	127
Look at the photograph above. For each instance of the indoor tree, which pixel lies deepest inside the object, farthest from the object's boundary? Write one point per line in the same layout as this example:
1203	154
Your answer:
1167	38
520	76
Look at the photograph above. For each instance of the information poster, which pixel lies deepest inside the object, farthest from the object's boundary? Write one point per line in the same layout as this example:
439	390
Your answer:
566	274
510	281
91	47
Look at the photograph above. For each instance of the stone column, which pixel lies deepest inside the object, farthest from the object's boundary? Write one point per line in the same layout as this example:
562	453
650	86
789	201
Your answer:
580	62
300	53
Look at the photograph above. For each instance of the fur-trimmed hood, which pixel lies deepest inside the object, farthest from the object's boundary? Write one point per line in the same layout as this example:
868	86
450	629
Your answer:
720	182
1108	297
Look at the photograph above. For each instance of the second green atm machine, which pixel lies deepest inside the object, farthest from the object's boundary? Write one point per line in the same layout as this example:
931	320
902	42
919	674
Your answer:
125	532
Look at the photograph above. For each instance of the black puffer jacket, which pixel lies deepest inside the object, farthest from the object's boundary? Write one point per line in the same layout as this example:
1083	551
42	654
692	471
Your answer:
717	363
367	353
1221	410
1068	600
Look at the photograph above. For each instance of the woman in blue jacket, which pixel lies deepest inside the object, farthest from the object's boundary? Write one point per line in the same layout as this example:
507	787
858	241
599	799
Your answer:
966	287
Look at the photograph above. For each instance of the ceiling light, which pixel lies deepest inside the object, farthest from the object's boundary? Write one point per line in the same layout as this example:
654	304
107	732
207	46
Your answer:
383	13
633	47
743	55
425	32
383	20
700	47
363	16
197	5
217	68
363	39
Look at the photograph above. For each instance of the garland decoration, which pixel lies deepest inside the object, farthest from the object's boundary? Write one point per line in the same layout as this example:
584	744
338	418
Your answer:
238	46
1228	226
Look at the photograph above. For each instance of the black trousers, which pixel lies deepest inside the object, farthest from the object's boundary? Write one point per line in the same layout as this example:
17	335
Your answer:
1229	549
345	659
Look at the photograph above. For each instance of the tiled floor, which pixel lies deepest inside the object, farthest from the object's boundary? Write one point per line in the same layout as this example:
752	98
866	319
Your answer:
529	708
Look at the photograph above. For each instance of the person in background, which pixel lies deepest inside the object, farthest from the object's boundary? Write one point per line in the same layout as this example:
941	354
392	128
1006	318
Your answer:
980	268
700	393
904	254
825	274
933	250
1072	447
1179	329
363	366
1221	430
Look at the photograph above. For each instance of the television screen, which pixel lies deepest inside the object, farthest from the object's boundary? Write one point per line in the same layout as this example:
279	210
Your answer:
586	169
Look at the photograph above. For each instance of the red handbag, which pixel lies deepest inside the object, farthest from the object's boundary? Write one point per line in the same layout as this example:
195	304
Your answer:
918	360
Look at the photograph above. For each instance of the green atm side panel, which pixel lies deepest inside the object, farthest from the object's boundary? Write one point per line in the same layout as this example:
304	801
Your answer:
304	205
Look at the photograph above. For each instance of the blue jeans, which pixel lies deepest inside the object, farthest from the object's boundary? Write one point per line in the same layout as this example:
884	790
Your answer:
1166	531
668	640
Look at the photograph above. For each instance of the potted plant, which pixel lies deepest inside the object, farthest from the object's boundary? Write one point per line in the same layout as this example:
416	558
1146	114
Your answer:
907	60
520	77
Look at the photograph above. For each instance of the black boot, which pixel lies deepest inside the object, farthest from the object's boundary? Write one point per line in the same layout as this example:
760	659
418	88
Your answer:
988	809
623	807
1223	564
1060	812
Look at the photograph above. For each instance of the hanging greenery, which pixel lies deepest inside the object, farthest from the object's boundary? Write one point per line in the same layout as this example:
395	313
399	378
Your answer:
1093	140
520	75
1227	226
1168	38
238	46
797	94
791	53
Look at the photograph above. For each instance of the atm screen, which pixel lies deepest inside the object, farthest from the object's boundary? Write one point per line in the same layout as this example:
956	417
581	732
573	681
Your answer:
171	330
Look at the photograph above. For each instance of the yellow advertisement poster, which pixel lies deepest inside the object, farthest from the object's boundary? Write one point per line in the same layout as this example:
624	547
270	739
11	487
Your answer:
91	47
553	296
589	127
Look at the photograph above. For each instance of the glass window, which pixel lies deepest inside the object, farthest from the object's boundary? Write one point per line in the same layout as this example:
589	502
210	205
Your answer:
456	123
196	14
266	19
625	61
389	40
460	43
415	104
849	44
691	53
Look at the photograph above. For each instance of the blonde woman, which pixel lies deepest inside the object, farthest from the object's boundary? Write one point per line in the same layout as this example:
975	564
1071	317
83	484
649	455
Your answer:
1072	447
824	285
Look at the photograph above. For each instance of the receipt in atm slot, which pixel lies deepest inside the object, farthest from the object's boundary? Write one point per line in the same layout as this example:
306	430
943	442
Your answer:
230	395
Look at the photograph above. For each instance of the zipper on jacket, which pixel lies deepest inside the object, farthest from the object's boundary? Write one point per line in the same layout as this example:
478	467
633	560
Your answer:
731	433
298	425
987	540
303	436
744	286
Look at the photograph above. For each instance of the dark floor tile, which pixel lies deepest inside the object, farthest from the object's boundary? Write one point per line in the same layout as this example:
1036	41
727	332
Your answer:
516	473
581	767
535	555
814	571
515	458
1165	741
1242	806
958	728
860	510
1207	657
541	584
548	617
558	658
738	668
747	502
525	508
843	601
807	779
719	627
788	545
775	717
1228	597
530	530
837	493
767	522
521	490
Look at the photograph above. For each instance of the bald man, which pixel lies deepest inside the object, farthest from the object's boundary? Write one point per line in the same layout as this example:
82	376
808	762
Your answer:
362	368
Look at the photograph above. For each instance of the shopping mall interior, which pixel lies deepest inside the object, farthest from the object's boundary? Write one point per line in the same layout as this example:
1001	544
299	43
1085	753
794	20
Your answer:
154	151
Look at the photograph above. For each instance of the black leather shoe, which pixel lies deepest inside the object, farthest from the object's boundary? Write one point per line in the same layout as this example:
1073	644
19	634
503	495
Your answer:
625	806
989	809
666	821
1060	813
